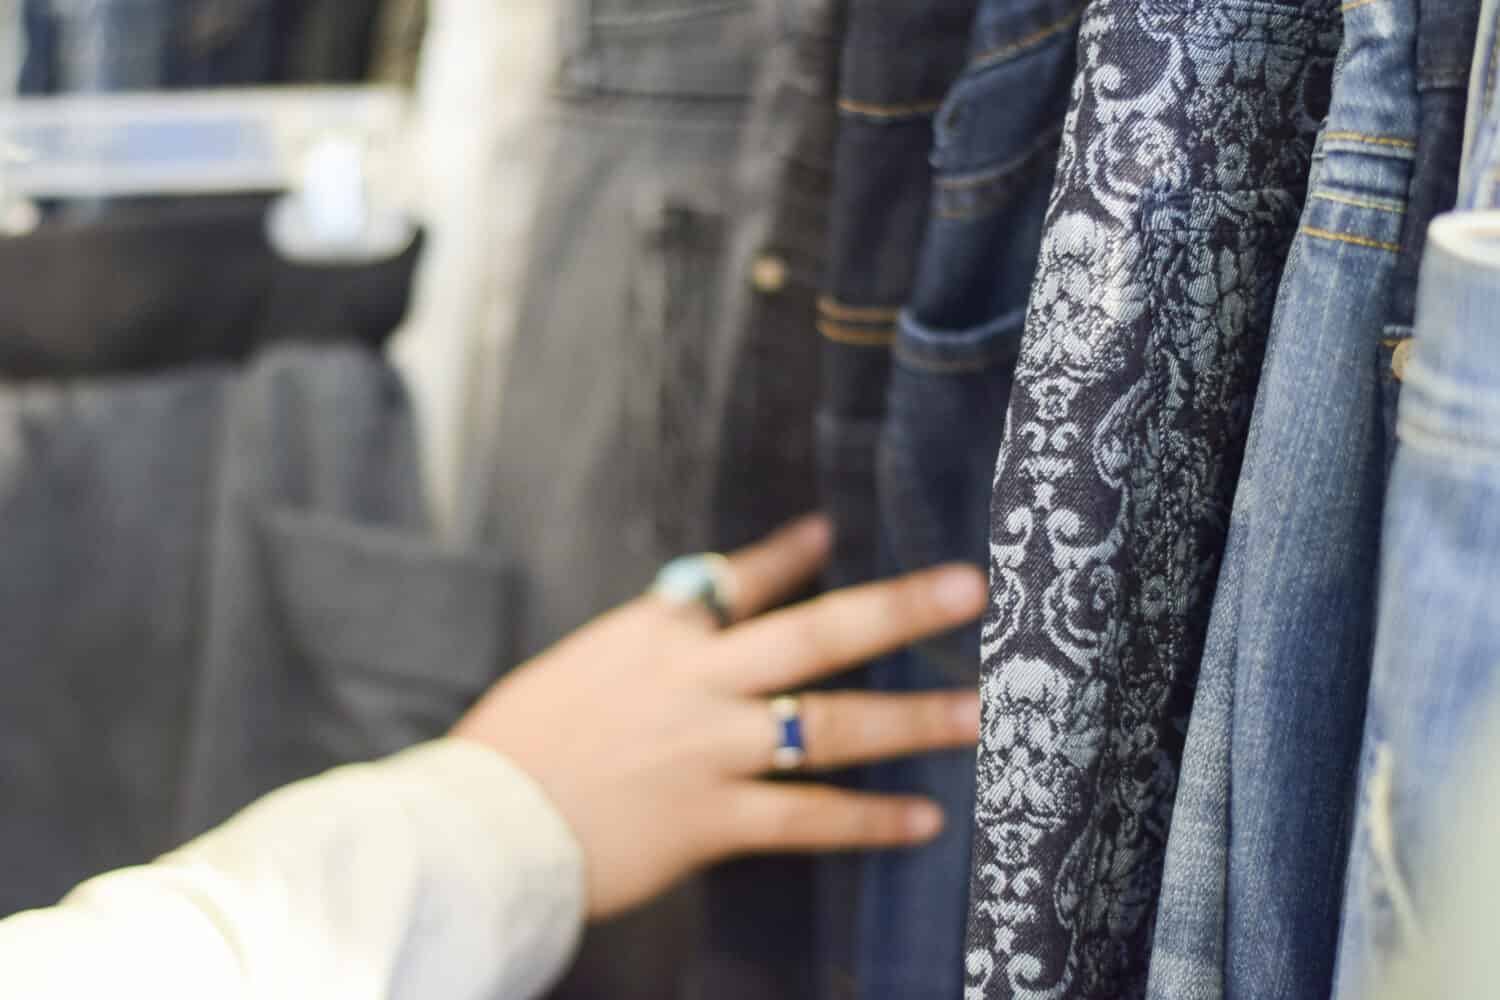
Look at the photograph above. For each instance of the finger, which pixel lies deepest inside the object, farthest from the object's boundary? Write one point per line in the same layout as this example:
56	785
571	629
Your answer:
844	728
789	648
764	817
776	568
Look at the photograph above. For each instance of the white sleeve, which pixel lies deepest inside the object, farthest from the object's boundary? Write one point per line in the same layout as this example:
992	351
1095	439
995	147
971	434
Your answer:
443	872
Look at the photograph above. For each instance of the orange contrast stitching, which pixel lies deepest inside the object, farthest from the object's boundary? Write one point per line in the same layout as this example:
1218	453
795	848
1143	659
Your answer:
1359	241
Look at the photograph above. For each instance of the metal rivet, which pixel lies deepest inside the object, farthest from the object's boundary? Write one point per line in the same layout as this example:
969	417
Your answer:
768	274
1400	358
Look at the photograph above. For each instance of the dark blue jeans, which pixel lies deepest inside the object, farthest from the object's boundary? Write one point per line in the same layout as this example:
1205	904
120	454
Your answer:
1183	164
897	65
994	152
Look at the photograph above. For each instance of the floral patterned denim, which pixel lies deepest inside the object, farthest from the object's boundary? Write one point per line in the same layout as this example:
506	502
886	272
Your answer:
1178	189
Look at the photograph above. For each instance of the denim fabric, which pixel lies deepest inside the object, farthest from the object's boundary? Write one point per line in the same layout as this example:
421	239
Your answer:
1457	956
1180	181
1434	682
604	464
177	283
215	581
995	147
897	67
91	46
1479	182
775	263
1286	661
758	914
1432	692
898	64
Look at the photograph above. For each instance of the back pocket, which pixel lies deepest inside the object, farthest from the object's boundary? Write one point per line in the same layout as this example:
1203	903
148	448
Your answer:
389	637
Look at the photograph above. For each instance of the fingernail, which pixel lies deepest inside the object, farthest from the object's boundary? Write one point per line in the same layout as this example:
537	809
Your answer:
960	590
924	821
966	713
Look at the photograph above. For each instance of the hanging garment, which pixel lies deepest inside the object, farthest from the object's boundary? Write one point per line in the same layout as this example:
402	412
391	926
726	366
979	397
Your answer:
149	287
1456	955
216	581
898	63
896	69
1183	164
1286	662
605	462
758	938
995	148
1433	685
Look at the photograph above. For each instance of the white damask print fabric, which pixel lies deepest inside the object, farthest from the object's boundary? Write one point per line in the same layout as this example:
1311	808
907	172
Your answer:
1179	187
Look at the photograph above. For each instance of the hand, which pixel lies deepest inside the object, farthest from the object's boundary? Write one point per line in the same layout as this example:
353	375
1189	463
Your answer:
650	729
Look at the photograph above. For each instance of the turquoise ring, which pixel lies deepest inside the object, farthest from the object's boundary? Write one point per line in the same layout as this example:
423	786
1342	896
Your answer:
705	579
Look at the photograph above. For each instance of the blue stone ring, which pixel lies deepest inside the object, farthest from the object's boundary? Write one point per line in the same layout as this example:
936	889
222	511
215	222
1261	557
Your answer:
705	579
791	753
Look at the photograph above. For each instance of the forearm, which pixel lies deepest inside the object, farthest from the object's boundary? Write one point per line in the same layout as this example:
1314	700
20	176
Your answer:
440	872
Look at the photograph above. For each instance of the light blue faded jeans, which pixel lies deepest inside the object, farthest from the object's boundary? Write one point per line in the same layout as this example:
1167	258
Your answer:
1273	739
1436	677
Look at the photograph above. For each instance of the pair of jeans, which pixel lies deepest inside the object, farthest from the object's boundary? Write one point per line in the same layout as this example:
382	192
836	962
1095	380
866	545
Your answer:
995	147
1285	661
758	932
897	66
1273	741
153	287
100	46
1433	684
1434	679
604	463
216	580
1184	161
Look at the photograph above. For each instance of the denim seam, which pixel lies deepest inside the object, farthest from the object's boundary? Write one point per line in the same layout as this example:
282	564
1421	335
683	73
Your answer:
1373	140
1344	199
1446	390
853	336
911	110
1445	82
999	54
1355	5
834	309
1016	163
1443	443
1029	165
952	367
1359	241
